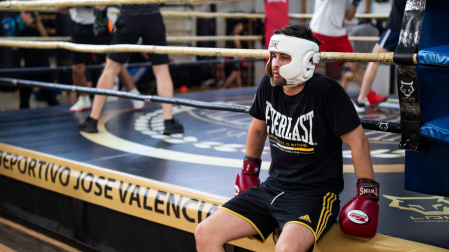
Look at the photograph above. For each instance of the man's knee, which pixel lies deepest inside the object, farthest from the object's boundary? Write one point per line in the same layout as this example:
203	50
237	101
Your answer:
354	66
112	67
287	247
198	232
202	235
295	237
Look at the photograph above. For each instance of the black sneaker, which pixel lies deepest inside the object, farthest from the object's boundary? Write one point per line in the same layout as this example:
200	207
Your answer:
172	127
89	125
359	107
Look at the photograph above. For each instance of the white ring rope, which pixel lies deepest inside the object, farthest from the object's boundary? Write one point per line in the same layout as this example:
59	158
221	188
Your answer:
5	5
203	51
199	14
182	14
169	38
185	39
357	15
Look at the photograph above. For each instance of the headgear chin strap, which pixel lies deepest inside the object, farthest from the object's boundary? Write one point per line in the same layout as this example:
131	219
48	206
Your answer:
302	65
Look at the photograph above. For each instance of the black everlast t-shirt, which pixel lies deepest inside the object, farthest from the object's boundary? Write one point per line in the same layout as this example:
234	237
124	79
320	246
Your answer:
304	132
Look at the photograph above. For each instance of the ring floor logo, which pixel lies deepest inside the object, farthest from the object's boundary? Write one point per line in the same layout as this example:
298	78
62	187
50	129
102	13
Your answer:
433	209
212	134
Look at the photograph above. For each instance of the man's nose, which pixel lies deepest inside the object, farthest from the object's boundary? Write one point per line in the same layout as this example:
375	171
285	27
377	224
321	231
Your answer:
275	63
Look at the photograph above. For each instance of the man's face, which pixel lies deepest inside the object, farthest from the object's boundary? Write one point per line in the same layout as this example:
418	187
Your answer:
26	17
278	60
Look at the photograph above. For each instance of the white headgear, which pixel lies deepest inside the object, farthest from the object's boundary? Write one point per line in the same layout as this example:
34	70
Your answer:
304	58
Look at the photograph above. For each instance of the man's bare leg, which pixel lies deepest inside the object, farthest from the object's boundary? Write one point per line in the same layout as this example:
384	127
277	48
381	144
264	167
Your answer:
219	228
164	84
370	75
79	79
129	83
356	70
106	81
295	237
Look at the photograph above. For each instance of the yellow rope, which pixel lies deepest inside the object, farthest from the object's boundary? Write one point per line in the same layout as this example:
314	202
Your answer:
250	53
254	53
199	14
357	57
70	3
183	38
210	14
363	38
357	15
211	38
49	6
169	38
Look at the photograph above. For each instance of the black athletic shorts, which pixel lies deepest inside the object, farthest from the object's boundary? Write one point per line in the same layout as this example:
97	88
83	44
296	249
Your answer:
130	28
268	206
83	34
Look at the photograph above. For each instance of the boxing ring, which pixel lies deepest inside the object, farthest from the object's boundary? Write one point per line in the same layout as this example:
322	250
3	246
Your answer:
130	188
164	186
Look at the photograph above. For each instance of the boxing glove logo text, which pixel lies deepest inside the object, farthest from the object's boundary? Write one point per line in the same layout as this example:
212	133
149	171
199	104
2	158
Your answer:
368	191
358	217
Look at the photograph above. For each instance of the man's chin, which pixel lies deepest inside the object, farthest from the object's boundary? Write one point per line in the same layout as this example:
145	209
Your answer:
279	81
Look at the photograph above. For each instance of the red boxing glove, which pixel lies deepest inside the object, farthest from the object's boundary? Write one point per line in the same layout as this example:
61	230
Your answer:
359	216
249	177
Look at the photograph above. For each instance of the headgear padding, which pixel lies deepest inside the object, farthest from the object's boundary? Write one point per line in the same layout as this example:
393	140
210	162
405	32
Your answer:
303	62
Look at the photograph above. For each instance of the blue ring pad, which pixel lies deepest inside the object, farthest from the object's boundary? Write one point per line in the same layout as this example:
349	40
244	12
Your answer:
434	56
437	130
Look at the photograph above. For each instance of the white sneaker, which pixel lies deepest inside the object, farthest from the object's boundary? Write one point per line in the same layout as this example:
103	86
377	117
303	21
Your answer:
138	104
359	107
83	103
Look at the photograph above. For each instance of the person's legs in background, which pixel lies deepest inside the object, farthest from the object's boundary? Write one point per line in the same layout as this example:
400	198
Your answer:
235	76
106	81
47	94
25	95
129	84
356	70
164	84
156	35
368	79
79	79
81	34
387	43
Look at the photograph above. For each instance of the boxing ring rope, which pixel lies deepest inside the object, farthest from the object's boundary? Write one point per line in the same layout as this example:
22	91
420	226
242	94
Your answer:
198	51
186	38
169	38
200	14
5	5
357	15
363	38
367	124
202	51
